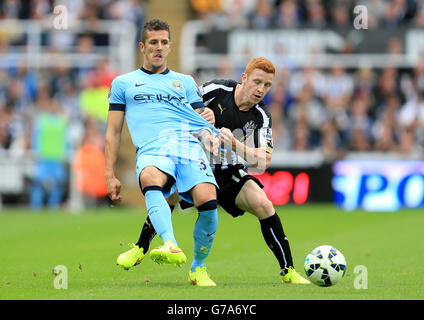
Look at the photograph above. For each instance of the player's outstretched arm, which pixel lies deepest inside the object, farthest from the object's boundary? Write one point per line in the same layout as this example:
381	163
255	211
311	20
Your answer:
115	122
256	157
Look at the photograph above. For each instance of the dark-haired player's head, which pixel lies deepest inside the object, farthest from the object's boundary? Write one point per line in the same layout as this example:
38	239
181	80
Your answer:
154	25
257	79
155	45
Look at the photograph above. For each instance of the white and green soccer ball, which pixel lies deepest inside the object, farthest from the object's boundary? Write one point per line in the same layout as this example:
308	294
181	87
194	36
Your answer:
325	266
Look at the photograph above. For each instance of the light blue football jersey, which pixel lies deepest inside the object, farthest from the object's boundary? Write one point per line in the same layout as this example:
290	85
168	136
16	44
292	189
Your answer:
159	110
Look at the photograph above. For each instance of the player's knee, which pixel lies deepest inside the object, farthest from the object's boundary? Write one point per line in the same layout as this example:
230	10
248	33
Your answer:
204	193
208	205
151	176
263	207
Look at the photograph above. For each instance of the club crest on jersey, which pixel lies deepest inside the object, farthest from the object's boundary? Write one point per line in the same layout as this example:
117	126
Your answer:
249	125
177	85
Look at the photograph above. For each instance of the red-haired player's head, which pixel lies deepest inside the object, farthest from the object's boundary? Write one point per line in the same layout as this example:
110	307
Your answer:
256	81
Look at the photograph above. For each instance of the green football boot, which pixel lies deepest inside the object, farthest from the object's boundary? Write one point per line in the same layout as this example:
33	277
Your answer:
201	278
293	277
169	253
131	257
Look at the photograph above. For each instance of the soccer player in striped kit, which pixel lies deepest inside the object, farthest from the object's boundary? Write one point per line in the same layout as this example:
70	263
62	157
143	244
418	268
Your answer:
246	132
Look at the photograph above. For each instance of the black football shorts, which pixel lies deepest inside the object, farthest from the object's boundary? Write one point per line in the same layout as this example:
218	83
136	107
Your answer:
230	181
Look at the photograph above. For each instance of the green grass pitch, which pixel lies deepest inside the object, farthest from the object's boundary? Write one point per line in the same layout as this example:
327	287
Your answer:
389	245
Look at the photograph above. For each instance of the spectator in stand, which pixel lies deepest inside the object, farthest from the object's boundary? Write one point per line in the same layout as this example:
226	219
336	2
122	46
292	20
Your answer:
278	99
89	166
388	83
358	141
225	69
301	136
49	146
338	88
12	127
85	45
360	125
418	20
385	129
60	77
204	8
398	12
332	144
309	109
128	10
411	117
40	9
260	17
287	15
364	81
418	75
5	132
101	76
339	16
394	46
316	15
407	143
307	74
94	94
237	12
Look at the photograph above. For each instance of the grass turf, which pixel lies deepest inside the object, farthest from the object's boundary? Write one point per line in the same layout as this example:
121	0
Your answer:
389	245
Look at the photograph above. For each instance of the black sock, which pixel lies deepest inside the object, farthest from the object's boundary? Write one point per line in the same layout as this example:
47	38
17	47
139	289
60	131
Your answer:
147	234
274	236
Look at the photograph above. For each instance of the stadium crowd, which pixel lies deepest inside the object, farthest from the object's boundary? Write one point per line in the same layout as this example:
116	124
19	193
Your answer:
54	114
338	111
262	14
333	110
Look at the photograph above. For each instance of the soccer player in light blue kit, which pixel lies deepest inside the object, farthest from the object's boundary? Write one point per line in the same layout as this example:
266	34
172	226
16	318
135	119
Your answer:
158	105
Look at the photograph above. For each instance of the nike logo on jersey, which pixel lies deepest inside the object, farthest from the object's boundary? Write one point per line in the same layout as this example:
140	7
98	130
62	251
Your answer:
220	108
139	84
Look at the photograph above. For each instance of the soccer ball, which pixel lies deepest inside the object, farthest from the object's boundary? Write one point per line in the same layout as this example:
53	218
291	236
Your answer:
325	266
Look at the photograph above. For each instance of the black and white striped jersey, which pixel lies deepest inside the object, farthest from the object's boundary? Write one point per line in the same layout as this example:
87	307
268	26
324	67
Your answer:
252	127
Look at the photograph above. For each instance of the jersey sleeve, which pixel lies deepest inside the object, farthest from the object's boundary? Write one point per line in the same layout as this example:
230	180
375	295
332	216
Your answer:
116	96
265	140
194	96
213	89
264	134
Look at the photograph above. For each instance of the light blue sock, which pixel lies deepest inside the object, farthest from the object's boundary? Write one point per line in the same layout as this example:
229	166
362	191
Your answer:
159	213
203	234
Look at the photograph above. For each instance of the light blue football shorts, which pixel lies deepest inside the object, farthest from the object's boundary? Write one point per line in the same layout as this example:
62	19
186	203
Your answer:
186	173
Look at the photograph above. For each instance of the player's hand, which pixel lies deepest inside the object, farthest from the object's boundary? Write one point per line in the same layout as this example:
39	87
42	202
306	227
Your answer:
113	189
226	137
211	144
208	115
